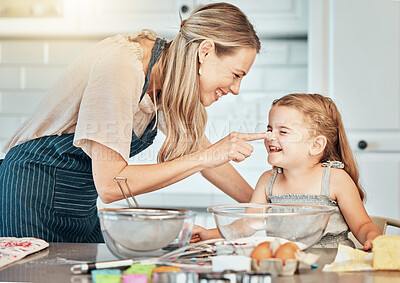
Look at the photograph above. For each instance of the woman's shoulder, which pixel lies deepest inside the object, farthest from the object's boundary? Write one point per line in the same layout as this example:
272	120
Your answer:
118	49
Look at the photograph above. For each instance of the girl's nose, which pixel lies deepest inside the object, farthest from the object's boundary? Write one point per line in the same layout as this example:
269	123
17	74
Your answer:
271	136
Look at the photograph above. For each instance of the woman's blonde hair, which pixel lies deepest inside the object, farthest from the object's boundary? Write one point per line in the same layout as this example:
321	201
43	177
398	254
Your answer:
322	115
183	112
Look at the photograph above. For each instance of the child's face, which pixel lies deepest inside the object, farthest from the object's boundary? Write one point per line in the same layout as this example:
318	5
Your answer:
289	141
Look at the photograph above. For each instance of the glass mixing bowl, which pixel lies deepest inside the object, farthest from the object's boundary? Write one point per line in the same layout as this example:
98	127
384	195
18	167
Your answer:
303	224
130	232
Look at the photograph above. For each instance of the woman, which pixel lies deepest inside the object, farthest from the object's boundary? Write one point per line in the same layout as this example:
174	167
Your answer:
103	110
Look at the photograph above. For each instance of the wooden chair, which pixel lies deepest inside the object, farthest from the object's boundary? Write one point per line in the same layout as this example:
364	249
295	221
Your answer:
382	223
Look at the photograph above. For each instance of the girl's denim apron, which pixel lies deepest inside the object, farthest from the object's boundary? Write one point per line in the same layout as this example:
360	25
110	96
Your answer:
47	189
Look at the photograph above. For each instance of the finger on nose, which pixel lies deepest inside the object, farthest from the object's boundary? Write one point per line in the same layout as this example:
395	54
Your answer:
253	136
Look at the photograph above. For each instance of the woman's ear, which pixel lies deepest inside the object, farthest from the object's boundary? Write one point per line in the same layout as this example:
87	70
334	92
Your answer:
318	146
206	47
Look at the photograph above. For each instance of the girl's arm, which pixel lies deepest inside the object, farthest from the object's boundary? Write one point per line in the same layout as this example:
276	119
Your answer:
260	192
353	209
107	164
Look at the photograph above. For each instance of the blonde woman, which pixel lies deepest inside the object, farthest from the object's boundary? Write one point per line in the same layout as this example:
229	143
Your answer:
106	108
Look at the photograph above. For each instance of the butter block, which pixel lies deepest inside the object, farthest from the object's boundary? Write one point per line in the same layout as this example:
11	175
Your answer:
386	250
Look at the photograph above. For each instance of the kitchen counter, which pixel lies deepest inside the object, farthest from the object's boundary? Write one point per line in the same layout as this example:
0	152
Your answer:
53	265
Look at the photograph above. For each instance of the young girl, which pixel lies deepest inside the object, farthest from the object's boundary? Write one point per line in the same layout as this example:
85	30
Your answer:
312	164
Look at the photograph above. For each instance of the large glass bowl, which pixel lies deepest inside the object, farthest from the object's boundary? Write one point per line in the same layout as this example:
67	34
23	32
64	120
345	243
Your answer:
303	224
130	232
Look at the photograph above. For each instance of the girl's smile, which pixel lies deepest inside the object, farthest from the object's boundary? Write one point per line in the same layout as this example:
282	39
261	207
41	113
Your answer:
288	139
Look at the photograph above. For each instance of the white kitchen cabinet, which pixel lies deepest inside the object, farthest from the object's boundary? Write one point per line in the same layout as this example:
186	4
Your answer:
105	17
274	18
354	57
271	18
100	18
66	23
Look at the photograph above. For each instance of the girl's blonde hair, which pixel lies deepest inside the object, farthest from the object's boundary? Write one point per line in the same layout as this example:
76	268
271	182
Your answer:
183	112
322	115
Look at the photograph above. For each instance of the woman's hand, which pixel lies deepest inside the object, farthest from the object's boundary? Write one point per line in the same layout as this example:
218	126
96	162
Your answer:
233	147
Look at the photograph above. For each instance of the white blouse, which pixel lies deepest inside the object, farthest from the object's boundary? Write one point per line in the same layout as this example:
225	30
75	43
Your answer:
97	99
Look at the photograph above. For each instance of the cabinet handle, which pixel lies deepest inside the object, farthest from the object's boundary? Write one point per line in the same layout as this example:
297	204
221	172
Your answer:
362	144
184	9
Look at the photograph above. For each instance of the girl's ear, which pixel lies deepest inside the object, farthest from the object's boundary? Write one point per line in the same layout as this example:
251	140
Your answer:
206	47
318	146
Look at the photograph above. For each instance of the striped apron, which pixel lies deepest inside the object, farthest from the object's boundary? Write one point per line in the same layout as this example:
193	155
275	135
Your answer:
47	189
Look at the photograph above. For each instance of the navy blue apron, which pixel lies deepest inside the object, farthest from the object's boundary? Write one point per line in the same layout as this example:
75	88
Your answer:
47	189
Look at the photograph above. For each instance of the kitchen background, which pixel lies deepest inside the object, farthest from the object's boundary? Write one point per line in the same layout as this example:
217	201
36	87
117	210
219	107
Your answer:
328	46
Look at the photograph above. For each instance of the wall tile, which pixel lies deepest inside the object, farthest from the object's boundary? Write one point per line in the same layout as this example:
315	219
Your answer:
252	81
8	125
22	52
42	77
233	111
273	52
298	54
2	144
19	102
10	77
192	185
65	51
290	79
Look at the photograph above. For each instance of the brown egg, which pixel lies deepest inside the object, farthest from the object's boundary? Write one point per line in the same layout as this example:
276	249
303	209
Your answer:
262	251
286	251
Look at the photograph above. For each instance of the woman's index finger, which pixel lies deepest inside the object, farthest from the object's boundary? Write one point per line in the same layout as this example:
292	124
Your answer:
252	136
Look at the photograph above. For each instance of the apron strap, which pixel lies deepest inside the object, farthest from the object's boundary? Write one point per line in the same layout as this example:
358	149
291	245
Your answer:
155	55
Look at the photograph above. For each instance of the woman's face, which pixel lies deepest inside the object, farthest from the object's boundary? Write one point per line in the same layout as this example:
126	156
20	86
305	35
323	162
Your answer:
221	75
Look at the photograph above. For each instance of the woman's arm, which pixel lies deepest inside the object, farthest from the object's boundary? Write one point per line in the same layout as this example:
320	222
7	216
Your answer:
352	208
107	164
227	179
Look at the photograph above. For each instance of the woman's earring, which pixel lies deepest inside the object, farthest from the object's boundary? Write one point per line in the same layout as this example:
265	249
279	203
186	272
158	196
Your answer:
201	62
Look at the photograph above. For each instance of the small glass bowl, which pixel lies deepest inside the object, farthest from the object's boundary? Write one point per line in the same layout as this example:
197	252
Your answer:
130	232
303	224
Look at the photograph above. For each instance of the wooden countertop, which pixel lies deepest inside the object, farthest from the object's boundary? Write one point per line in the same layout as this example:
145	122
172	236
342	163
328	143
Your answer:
54	263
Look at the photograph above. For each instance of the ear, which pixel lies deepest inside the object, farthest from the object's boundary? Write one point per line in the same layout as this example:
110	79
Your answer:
206	47
318	145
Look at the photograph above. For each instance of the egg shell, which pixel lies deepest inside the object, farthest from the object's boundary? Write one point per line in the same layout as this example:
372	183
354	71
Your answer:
275	266
262	251
286	251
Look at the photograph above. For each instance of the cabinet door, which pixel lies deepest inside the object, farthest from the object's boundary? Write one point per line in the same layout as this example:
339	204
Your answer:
380	178
274	17
106	17
365	62
34	20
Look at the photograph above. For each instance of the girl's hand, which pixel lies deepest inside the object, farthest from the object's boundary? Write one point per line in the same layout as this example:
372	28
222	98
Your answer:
233	147
199	234
367	245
